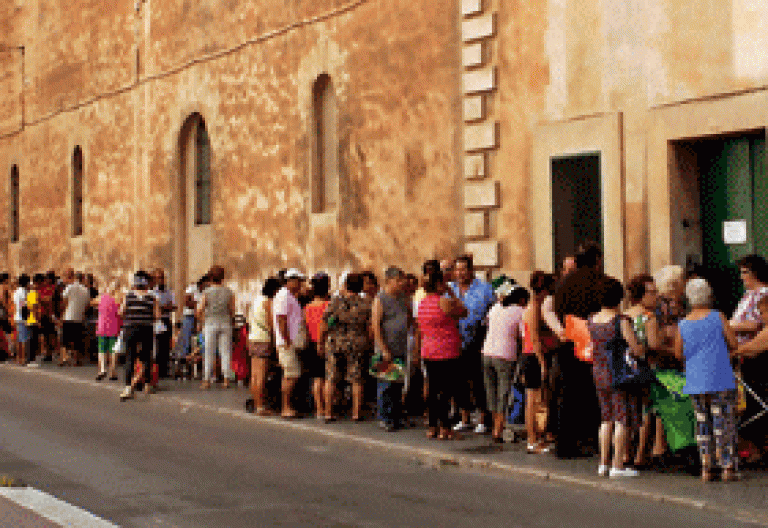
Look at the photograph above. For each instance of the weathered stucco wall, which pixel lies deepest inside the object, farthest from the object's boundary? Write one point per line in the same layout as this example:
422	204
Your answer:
438	104
75	51
617	56
393	66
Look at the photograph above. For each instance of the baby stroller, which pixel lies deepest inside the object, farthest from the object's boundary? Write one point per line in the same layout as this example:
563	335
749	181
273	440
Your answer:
185	366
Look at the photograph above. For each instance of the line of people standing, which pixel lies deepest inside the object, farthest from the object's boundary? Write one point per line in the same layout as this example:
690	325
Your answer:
450	344
46	315
668	325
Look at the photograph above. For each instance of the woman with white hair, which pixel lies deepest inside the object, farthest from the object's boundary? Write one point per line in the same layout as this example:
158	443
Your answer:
670	282
703	341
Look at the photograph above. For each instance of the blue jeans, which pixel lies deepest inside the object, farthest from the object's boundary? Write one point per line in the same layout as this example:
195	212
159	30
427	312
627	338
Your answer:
185	336
22	332
389	397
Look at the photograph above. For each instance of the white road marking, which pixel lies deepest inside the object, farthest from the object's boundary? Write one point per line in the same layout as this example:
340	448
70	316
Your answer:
54	509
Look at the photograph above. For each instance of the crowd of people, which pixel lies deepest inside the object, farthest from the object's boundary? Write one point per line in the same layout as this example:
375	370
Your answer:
592	359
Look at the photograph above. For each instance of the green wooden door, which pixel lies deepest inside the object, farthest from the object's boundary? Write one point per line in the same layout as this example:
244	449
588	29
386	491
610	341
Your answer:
733	188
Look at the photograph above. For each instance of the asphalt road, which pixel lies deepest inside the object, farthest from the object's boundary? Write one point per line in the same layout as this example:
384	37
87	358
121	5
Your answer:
153	463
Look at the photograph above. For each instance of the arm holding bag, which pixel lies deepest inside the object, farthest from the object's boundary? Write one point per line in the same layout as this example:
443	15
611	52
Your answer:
627	371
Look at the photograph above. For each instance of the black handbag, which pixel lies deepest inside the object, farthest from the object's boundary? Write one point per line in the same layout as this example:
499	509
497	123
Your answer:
627	371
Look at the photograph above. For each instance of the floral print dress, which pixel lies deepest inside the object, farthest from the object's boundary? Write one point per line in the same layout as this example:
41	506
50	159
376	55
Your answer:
615	405
348	319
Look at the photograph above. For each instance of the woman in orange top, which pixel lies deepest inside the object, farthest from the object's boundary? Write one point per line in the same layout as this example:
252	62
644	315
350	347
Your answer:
539	341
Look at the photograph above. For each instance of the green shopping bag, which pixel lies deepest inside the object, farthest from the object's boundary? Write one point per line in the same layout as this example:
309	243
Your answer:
387	370
674	408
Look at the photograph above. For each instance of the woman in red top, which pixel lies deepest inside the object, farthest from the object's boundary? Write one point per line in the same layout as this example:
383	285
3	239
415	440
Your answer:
440	345
315	356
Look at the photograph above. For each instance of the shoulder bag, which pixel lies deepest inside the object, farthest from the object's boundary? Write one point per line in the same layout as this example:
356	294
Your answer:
627	371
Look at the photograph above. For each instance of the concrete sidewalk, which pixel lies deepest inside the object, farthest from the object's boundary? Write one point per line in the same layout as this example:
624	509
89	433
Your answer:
746	500
13	515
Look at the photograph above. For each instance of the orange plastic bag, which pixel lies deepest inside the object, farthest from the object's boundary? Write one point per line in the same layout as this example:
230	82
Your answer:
576	330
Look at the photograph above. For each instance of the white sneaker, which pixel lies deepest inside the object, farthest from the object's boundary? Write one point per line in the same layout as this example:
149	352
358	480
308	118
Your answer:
33	364
621	473
126	394
481	429
461	426
602	470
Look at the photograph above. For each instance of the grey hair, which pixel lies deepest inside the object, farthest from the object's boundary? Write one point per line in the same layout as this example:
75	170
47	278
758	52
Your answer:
699	292
667	277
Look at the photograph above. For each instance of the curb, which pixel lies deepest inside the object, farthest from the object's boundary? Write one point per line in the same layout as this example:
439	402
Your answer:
441	459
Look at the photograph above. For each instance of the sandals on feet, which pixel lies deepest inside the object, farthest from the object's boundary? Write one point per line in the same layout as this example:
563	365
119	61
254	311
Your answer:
539	449
448	434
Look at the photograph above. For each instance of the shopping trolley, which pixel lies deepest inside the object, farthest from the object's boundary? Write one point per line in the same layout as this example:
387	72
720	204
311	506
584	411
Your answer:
757	398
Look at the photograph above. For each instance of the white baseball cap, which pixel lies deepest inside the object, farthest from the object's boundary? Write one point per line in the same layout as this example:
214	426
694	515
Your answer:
293	273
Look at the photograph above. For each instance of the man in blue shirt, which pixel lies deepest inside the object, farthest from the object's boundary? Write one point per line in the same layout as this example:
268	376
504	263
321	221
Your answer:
478	297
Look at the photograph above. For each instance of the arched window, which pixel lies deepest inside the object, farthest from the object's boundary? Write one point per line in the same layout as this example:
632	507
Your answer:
202	174
325	180
15	203
77	191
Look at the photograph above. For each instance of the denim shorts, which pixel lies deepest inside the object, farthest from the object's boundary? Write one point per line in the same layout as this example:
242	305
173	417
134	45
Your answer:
22	331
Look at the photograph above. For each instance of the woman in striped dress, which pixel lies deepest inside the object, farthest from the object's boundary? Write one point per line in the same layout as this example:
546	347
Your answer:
139	312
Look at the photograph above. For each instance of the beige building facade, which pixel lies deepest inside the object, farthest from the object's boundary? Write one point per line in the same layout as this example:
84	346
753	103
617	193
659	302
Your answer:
338	134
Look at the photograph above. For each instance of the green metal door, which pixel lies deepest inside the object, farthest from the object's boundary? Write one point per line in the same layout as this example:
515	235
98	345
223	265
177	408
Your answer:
733	189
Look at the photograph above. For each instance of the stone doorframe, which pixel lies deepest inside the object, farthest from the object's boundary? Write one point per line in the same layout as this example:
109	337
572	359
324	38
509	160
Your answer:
181	203
600	134
714	116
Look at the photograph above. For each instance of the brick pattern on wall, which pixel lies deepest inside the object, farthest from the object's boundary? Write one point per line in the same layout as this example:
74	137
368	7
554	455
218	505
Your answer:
481	134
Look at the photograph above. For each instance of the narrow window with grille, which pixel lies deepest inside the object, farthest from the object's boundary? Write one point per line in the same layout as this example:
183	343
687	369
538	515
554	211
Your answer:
15	203
202	175
324	155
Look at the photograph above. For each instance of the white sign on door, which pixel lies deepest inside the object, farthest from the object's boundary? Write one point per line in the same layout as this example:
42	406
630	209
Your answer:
735	231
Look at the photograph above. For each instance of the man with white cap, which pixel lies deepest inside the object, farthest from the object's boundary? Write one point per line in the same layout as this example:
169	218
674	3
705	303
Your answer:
288	322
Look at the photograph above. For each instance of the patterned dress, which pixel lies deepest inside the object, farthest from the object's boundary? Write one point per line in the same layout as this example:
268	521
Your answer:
747	311
615	405
348	319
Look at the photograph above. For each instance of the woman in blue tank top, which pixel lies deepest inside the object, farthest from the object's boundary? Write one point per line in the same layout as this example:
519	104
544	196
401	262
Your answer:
703	341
